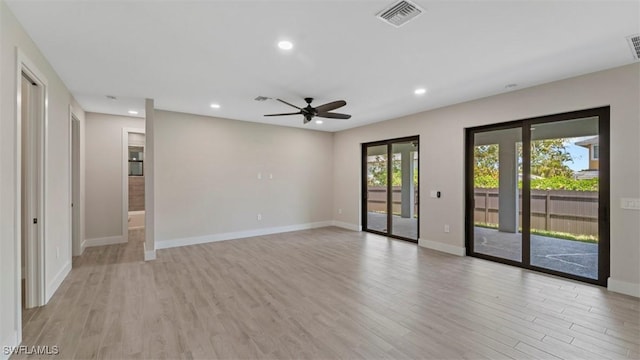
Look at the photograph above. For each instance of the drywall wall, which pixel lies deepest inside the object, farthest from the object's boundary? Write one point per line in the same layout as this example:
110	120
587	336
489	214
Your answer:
442	158
214	176
103	152
57	211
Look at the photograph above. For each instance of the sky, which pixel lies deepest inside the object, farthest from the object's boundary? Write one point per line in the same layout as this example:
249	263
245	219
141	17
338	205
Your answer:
579	154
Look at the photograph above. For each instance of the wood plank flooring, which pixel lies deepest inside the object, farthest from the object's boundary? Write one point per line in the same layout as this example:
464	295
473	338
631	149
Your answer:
324	294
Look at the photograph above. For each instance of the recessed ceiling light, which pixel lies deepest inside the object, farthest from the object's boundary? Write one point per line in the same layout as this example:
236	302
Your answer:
133	112
285	45
510	86
215	106
420	91
111	97
319	122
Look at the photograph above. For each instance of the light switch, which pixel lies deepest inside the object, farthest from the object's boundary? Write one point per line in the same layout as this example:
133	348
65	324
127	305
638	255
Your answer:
630	203
434	194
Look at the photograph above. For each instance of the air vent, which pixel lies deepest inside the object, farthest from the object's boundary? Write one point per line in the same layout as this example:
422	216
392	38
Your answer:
634	42
399	13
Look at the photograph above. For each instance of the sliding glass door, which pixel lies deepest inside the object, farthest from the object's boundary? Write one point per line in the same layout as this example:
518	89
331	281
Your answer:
538	194
390	188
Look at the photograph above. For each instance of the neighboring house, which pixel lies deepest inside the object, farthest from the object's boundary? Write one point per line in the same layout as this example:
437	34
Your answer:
594	151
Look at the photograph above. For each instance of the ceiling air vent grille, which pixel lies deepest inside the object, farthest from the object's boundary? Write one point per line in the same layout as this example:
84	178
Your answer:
634	42
399	13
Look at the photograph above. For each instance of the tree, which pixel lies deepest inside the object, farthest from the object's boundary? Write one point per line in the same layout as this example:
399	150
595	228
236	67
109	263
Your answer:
549	159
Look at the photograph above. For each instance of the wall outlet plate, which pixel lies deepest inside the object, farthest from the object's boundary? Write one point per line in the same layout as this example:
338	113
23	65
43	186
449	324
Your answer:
630	203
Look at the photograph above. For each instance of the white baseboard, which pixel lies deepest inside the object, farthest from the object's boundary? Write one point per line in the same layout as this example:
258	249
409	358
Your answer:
10	341
110	240
166	244
623	287
348	226
149	254
83	245
442	247
57	280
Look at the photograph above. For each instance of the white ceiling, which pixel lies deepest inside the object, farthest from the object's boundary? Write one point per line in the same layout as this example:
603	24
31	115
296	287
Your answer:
186	55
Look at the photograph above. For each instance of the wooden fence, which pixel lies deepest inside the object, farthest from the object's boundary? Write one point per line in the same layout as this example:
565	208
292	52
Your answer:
574	212
377	199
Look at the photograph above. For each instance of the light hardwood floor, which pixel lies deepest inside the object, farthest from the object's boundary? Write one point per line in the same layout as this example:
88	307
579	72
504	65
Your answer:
325	293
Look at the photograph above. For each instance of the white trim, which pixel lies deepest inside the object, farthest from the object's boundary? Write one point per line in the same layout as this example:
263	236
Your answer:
83	245
57	280
166	244
75	249
149	254
125	179
37	293
109	240
348	226
442	247
623	287
12	340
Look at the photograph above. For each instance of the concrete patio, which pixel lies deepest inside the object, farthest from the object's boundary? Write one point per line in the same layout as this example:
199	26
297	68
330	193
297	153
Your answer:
405	227
572	257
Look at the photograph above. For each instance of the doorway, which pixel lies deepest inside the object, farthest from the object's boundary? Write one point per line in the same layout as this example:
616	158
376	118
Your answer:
538	194
390	190
133	184
31	119
76	237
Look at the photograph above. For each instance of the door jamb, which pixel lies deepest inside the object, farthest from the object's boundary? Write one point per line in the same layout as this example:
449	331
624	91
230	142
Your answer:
35	255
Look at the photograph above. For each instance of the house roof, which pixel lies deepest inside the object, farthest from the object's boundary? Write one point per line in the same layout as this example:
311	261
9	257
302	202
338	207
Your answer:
589	141
188	54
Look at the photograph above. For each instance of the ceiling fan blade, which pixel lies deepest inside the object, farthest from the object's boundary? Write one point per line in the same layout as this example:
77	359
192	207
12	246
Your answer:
334	115
331	106
295	113
284	102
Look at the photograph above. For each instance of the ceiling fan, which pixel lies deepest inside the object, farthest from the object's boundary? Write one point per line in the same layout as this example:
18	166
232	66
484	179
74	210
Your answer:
309	112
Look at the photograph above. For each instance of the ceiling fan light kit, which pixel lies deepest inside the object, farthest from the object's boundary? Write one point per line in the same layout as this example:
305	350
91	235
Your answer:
323	111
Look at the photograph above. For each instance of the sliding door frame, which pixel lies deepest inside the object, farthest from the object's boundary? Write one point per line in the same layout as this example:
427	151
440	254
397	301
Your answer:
389	144
603	115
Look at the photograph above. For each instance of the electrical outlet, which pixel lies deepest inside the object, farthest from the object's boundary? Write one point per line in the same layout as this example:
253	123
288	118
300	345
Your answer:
259	217
446	228
57	253
433	194
270	176
339	211
259	176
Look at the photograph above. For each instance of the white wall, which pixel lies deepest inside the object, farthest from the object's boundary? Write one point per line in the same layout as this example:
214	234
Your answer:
57	209
442	158
103	153
206	178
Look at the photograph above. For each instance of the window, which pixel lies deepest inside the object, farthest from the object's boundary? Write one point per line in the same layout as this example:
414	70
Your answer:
595	152
136	161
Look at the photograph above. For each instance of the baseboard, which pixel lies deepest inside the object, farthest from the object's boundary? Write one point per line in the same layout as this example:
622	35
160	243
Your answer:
166	244
149	254
83	245
446	248
57	280
8	344
348	226
623	287
110	240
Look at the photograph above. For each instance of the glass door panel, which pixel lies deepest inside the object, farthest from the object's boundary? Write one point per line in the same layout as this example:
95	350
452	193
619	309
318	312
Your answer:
564	196
377	180
497	162
404	186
